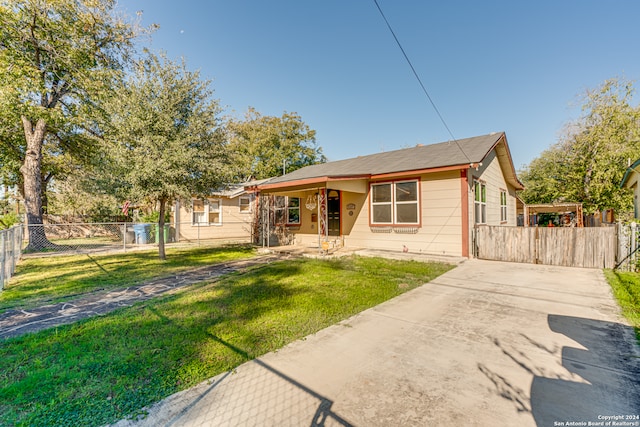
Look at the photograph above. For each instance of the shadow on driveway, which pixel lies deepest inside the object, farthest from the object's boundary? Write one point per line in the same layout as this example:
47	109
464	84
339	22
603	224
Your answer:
606	373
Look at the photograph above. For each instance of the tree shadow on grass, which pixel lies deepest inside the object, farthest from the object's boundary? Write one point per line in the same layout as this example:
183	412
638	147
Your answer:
106	368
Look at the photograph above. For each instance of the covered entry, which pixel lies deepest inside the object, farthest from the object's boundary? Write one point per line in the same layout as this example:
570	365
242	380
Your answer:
333	213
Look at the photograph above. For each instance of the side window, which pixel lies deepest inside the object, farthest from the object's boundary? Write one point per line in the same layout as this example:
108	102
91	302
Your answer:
245	204
215	216
206	212
480	202
503	206
198	215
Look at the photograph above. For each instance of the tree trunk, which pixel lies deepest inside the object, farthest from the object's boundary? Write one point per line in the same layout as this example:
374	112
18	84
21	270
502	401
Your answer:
32	181
161	252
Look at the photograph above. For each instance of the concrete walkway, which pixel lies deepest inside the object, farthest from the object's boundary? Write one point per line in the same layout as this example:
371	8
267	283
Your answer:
485	344
18	322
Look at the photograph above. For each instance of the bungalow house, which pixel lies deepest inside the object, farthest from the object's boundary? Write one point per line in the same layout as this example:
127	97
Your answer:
225	215
426	199
630	180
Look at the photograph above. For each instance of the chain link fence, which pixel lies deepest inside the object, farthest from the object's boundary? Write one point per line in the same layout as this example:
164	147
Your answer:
75	238
628	247
10	250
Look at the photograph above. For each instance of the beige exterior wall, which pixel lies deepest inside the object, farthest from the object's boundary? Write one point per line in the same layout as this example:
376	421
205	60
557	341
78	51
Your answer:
441	206
234	225
492	175
440	232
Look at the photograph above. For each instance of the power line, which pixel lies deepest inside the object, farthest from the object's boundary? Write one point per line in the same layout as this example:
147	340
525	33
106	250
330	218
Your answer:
424	89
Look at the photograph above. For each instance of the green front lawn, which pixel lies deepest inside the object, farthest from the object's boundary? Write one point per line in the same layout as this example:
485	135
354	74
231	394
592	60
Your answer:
54	279
626	289
107	368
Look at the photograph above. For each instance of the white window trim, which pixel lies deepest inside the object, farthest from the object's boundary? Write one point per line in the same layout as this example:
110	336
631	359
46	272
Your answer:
503	206
207	211
298	208
286	208
481	203
394	203
249	204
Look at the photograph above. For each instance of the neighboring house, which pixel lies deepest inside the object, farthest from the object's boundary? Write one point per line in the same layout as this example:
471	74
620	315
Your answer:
630	180
425	199
223	215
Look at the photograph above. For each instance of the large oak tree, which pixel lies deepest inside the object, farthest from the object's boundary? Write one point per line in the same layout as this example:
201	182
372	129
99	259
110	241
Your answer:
57	57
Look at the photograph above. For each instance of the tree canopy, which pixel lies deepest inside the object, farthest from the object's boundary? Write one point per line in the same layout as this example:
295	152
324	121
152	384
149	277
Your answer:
57	58
267	146
588	162
164	136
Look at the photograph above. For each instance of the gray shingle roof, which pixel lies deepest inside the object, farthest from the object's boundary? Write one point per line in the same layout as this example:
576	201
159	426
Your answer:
465	151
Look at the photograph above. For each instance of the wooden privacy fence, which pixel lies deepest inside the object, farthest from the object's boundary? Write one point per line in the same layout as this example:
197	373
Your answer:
571	247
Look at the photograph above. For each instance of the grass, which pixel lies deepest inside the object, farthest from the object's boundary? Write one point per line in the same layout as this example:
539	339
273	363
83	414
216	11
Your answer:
108	368
50	280
626	289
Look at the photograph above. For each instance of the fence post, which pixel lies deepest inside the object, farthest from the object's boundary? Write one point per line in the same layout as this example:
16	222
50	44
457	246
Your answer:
3	258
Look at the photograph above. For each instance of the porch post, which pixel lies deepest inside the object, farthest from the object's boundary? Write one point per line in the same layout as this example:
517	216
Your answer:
322	216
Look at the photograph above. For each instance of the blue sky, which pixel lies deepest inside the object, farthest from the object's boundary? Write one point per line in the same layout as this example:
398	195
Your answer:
507	65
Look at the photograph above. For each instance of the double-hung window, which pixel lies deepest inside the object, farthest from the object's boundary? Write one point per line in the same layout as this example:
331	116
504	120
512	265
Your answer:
480	201
503	206
293	210
198	215
395	203
288	210
244	202
206	212
215	216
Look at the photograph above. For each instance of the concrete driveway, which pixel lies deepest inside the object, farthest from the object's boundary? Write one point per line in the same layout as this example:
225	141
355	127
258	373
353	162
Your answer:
486	344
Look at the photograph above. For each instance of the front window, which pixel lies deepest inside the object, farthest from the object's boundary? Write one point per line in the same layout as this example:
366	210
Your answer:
480	202
395	203
287	210
503	206
206	212
293	210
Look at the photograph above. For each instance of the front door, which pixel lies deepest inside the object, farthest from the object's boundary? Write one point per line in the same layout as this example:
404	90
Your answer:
333	212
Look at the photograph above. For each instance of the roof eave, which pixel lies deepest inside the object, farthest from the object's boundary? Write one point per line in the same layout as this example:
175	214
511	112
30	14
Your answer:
628	173
517	184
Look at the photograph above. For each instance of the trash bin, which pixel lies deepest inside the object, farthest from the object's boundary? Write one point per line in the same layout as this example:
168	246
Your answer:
167	238
142	233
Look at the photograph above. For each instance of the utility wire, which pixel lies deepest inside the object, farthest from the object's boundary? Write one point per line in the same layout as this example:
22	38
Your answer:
424	89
